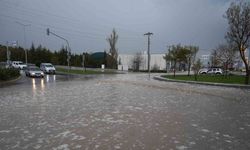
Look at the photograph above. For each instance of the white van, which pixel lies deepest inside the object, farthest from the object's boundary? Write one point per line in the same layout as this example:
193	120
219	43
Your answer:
48	68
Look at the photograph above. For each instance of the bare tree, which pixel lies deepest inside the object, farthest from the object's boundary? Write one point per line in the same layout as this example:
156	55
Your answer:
238	17
226	54
155	67
112	40
196	67
137	61
215	59
191	56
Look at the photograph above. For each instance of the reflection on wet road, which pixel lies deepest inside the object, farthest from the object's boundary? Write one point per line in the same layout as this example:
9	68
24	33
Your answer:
125	111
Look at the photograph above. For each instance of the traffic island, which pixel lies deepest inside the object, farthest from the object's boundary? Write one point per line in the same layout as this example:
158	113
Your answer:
8	75
12	80
232	84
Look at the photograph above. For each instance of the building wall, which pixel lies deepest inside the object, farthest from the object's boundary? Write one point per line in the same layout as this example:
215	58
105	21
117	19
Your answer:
156	60
205	59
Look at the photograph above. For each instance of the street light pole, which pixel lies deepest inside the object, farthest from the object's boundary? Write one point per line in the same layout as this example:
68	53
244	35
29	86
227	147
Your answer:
69	51
24	37
148	34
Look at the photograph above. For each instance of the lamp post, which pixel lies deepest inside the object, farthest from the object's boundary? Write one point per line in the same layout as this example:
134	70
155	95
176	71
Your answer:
13	43
69	51
24	37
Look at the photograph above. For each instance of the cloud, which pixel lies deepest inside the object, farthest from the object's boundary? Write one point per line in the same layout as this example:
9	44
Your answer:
87	23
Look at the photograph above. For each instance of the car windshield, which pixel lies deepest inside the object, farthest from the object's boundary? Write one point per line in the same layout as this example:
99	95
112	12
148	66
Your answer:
34	69
48	66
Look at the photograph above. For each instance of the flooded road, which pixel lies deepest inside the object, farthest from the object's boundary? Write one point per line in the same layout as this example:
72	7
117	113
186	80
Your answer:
124	111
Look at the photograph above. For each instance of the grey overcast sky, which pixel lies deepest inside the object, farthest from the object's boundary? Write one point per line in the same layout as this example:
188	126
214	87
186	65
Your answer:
87	23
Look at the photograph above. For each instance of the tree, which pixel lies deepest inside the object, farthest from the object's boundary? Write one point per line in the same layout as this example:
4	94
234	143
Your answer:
214	59
226	54
196	67
176	54
238	17
62	56
112	40
168	59
191	56
137	61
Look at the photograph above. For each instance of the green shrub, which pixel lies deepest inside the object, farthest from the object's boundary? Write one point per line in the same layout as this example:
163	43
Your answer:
9	73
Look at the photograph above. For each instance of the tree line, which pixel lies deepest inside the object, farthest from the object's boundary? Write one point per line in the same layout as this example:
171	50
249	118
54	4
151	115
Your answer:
181	56
40	54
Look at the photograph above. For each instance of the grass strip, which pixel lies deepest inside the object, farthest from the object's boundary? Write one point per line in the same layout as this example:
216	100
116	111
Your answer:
230	79
87	72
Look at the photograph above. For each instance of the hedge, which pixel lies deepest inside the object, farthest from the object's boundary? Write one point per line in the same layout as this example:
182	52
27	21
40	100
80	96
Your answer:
8	74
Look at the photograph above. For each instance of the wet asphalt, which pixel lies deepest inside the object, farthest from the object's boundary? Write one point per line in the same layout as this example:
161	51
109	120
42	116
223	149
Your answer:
122	111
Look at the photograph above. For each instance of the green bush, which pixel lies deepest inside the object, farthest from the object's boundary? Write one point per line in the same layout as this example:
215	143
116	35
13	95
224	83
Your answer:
9	73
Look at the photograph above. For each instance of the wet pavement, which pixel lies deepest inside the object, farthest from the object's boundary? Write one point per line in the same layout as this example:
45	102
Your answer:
125	111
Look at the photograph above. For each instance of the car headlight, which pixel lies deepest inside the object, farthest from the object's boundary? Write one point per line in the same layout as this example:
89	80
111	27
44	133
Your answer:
32	73
42	73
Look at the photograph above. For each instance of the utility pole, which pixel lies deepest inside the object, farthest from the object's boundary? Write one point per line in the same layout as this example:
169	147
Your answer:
68	48
8	54
24	37
148	34
83	60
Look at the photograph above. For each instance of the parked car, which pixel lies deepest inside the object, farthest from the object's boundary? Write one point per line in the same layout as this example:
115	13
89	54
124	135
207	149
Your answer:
48	68
211	71
203	71
214	71
33	71
18	65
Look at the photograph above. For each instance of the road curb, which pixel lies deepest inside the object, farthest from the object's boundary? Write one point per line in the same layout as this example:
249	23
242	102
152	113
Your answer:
10	81
203	83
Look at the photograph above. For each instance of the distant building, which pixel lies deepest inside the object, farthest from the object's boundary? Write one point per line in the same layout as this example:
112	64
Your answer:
205	60
156	62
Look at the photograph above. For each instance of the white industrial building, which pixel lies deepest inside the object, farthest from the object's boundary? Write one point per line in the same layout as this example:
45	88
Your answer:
156	61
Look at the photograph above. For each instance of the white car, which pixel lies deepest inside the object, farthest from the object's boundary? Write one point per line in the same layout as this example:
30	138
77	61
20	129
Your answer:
203	71
215	71
48	68
211	71
33	71
18	65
